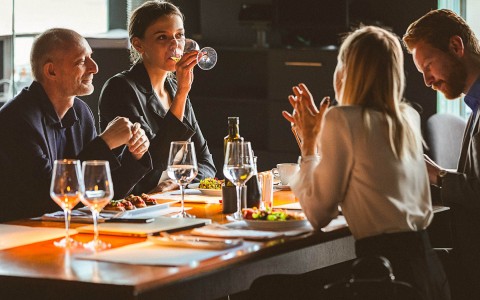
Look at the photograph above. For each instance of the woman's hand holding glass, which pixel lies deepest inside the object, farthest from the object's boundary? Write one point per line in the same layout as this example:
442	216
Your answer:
98	192
206	58
66	190
238	168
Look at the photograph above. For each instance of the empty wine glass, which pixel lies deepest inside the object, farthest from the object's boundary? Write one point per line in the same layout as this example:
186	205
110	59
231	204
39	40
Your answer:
66	189
206	58
98	192
238	168
182	167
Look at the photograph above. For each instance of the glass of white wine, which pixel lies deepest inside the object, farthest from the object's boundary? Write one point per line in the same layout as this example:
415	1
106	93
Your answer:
66	189
182	167
206	58
98	192
238	168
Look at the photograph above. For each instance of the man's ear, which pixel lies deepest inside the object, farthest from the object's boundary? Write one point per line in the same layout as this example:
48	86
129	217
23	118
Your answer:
49	71
137	44
456	46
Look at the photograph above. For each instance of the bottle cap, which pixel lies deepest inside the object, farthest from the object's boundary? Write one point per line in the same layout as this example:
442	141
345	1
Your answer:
232	120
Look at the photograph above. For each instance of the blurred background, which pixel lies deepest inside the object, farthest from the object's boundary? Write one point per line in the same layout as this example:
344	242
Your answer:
264	47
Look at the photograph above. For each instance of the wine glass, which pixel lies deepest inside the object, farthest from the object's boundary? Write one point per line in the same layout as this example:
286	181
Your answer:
238	168
206	58
182	167
66	189
98	192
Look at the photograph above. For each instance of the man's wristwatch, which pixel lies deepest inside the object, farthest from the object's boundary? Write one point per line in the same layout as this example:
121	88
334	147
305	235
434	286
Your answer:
441	175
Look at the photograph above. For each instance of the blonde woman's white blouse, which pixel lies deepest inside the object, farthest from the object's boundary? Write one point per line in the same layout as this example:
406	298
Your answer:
357	170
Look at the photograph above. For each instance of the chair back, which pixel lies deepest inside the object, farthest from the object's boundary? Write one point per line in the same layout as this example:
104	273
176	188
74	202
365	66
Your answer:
444	139
372	278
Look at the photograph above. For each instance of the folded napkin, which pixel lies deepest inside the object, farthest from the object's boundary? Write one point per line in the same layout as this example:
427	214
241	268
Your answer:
148	253
240	229
337	223
76	217
85	216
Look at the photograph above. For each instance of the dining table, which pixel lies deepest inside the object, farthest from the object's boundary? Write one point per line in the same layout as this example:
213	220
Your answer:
42	271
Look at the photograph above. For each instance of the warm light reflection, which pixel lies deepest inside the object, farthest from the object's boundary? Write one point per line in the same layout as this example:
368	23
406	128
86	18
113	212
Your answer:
194	264
247	247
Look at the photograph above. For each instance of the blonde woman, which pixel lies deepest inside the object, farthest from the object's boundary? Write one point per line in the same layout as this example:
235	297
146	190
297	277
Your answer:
366	156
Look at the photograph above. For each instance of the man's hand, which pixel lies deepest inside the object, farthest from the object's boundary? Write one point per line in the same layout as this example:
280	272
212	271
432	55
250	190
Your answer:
139	142
117	133
165	186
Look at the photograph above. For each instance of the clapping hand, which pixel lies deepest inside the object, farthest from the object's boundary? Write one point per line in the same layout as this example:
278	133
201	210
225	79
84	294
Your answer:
306	118
138	143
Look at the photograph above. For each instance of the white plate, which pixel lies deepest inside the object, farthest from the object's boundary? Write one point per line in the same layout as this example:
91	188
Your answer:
136	211
276	225
206	192
211	192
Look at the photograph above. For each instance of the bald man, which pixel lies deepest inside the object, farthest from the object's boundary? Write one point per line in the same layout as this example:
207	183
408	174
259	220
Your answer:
47	122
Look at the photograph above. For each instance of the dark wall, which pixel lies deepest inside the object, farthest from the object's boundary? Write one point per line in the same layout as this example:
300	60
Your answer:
110	62
2	43
117	16
242	82
398	15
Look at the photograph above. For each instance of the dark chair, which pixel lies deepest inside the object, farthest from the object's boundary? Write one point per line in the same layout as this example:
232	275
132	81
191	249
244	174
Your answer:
372	278
444	138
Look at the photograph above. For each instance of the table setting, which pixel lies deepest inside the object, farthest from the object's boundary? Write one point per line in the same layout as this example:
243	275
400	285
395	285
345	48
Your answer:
173	234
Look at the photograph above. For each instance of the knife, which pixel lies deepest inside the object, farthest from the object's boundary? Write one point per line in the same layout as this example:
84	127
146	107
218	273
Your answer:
130	220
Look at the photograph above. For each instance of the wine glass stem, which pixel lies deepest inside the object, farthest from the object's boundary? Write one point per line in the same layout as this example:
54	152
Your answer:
239	200
67	213
182	191
95	227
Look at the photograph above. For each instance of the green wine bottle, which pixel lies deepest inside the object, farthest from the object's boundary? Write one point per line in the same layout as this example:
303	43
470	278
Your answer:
233	136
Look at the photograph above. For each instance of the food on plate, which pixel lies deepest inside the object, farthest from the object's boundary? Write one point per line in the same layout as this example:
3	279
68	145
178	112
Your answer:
115	205
127	204
210	183
148	200
270	214
136	200
131	202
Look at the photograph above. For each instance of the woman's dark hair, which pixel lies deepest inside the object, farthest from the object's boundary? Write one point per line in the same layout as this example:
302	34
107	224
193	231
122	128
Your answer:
144	16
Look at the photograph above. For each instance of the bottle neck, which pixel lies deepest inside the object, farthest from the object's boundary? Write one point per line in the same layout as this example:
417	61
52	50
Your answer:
233	130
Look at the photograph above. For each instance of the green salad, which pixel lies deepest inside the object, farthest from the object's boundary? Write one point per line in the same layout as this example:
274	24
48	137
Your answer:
210	183
270	214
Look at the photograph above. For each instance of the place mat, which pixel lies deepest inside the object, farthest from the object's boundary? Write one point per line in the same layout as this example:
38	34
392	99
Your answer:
240	229
148	253
191	195
144	229
14	235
